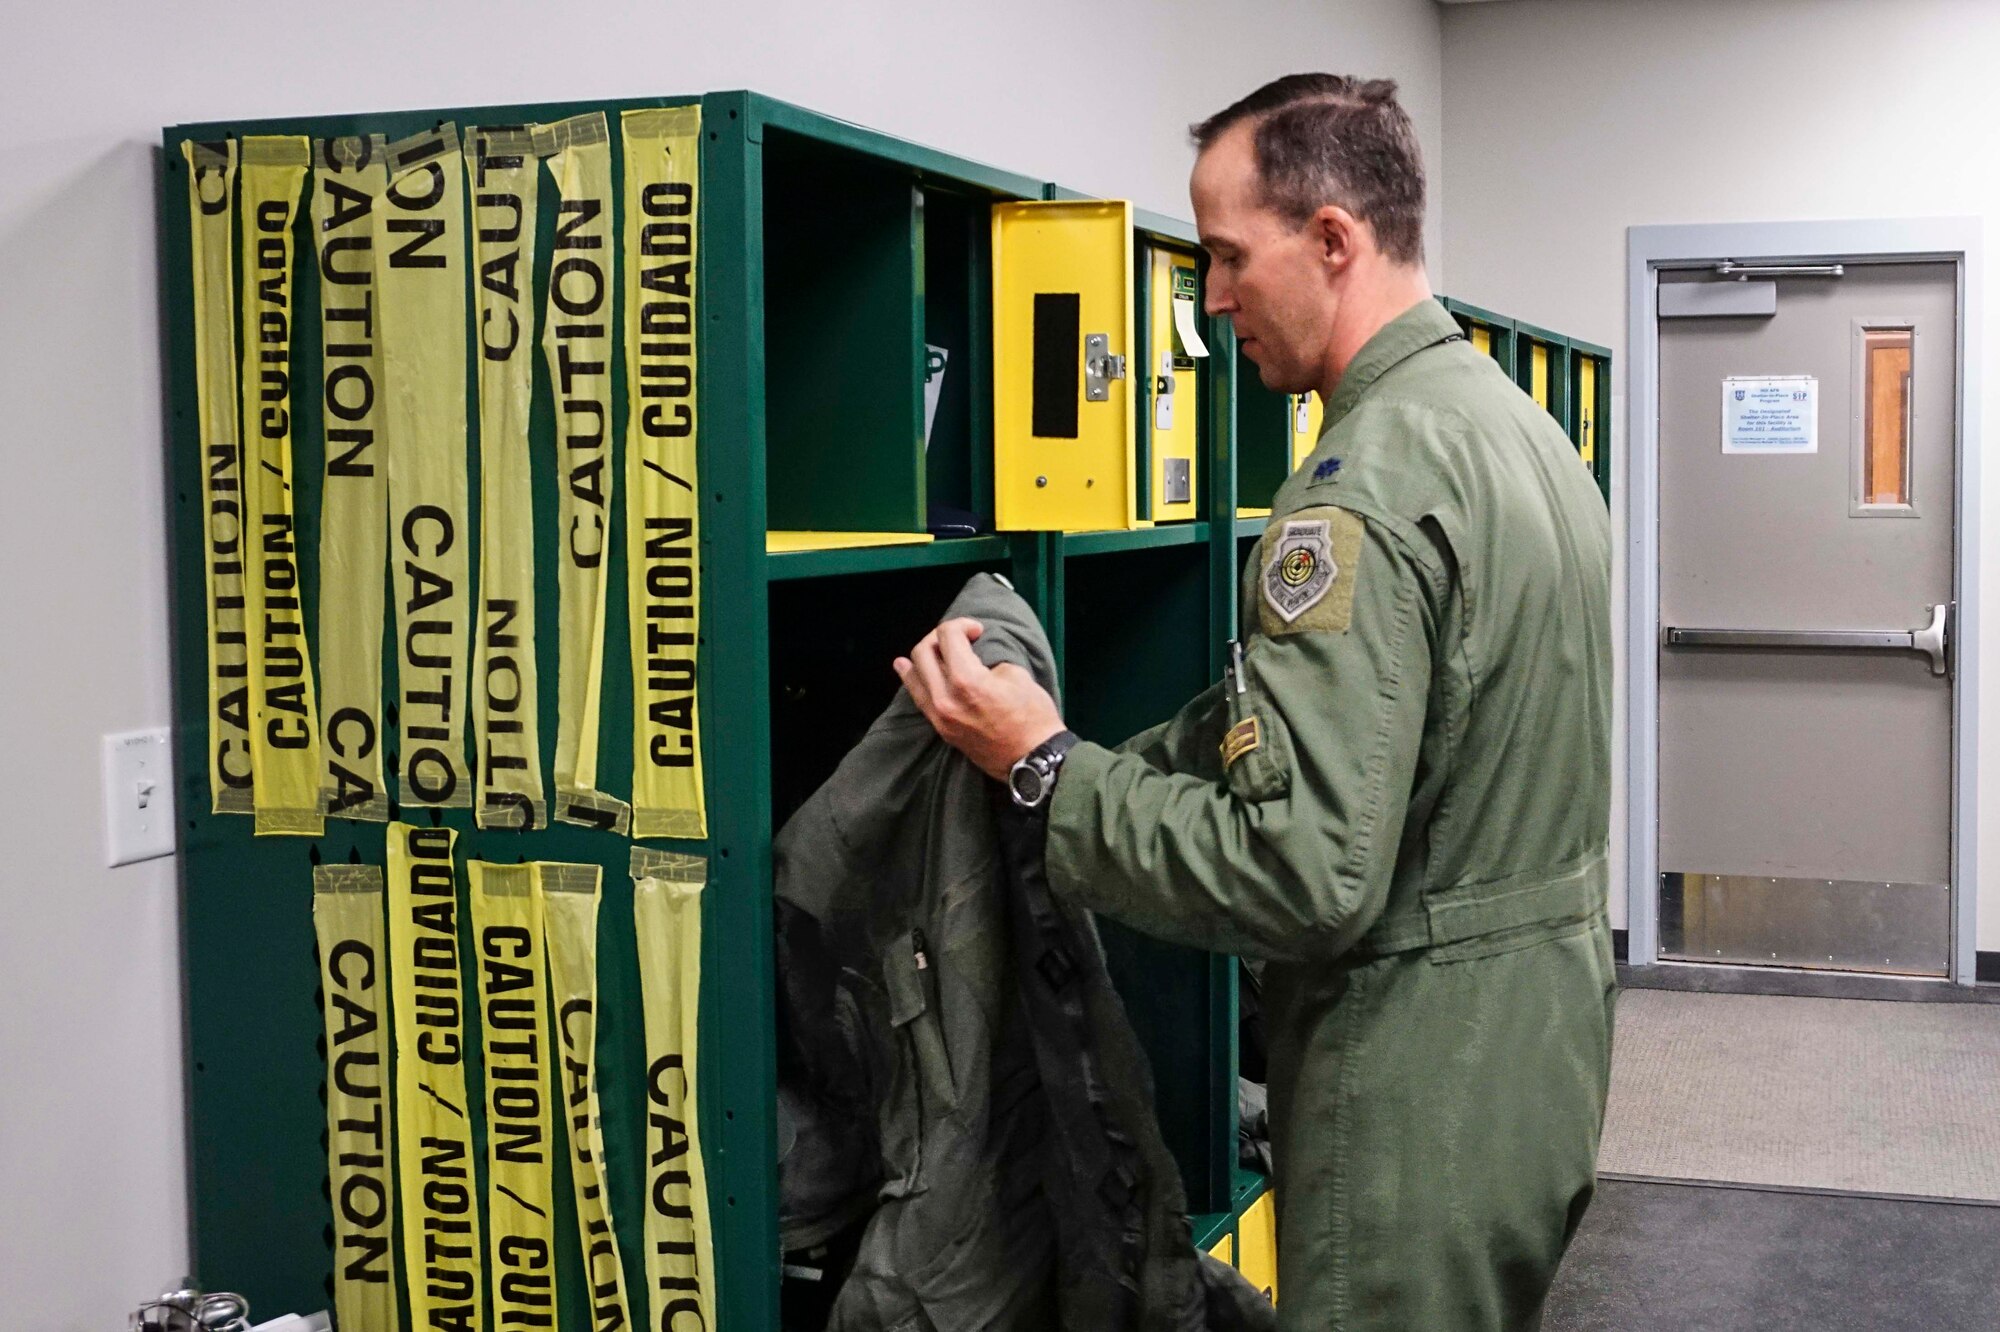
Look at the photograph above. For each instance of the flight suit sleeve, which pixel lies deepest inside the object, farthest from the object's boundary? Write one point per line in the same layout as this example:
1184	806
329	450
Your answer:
1290	853
1190	741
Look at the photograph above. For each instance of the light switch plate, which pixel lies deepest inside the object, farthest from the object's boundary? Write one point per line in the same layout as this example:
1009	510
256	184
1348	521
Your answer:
138	797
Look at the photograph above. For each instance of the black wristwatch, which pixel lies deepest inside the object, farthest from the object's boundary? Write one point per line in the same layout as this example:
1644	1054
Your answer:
1033	779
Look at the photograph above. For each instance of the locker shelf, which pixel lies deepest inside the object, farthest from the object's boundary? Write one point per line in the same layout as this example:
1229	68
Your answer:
884	559
1138	538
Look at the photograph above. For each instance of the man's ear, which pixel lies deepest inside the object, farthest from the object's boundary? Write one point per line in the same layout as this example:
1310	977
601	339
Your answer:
1340	236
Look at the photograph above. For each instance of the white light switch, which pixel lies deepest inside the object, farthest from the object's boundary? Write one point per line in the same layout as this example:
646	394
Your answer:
138	797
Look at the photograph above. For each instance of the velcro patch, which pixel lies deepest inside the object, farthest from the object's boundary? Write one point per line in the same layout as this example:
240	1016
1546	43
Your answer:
1312	558
1240	739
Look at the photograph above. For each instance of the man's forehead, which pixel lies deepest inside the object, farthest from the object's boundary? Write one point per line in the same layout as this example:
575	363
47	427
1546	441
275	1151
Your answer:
1229	159
1225	176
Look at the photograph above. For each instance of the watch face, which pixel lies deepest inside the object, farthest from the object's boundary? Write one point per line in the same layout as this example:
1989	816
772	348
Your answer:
1027	784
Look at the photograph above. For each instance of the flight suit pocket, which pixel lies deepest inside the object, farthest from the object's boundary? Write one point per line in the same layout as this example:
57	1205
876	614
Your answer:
1256	750
913	1012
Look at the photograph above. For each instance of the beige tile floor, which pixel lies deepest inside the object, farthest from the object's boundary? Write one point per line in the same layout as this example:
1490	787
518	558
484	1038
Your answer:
1868	1096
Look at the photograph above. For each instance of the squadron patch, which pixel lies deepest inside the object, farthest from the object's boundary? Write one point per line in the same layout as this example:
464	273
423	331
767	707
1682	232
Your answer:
1309	571
1301	569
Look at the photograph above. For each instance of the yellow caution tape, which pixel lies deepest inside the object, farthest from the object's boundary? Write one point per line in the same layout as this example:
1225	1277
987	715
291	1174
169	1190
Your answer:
505	180
576	338
420	239
663	568
348	179
680	1246
433	1125
284	725
354	975
520	1172
211	224
569	905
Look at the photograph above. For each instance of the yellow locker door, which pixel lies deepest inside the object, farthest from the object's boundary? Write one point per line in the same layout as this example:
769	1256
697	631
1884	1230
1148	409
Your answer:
1307	413
1224	1250
1586	409
1172	278
1538	374
1062	388
1482	338
1257	1242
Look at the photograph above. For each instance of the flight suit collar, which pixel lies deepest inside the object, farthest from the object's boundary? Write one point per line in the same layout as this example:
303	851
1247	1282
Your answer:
1424	324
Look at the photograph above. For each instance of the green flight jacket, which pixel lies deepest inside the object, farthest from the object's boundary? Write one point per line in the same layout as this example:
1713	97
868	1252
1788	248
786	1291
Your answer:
1410	825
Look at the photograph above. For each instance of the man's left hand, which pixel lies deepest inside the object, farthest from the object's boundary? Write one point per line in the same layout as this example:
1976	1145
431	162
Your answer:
992	715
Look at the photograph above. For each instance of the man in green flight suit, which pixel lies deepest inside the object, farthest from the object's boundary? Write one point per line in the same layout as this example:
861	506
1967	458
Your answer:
1400	798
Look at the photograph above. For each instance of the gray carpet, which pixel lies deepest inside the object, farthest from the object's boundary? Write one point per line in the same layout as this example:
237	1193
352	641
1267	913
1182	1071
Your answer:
1670	1258
1842	1094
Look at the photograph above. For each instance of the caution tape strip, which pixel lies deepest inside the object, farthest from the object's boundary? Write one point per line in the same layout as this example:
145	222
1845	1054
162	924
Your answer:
348	180
663	566
514	1034
680	1244
576	339
421	244
211	222
570	895
354	977
435	1168
284	725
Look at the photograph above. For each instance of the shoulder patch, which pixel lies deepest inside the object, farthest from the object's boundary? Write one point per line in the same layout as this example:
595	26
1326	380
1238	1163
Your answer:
1311	560
1326	469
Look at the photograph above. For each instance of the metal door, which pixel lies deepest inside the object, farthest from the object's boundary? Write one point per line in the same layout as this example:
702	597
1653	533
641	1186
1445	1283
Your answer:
1807	460
1063	456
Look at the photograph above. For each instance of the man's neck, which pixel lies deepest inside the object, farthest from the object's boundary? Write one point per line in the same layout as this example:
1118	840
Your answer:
1376	303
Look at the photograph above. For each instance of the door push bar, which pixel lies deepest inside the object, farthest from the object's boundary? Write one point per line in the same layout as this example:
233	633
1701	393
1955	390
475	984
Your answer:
1931	640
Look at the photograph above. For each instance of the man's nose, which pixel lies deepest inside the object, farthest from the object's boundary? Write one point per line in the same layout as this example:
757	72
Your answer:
1217	298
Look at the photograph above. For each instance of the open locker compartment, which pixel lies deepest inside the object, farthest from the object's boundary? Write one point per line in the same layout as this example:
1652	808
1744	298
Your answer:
844	340
1172	377
958	361
1125	670
833	640
878	362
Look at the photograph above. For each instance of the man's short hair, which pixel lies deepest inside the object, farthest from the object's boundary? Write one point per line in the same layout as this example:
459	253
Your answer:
1331	139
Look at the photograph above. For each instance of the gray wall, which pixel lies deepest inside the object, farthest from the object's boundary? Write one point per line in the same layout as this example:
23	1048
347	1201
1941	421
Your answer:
92	1215
1709	111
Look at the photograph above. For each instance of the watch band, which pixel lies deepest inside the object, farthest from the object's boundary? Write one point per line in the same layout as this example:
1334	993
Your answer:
1032	780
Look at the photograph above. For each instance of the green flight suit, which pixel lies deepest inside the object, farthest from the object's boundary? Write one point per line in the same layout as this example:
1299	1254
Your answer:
1410	825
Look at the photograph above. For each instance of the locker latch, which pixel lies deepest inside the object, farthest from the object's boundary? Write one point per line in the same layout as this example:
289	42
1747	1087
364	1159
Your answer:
1100	367
1163	393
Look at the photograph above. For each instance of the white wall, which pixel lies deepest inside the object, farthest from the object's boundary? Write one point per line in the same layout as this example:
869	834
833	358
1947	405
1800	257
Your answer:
92	1213
1712	111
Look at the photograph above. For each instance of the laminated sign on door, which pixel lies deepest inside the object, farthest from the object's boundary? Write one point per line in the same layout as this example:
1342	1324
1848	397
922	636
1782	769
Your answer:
1773	414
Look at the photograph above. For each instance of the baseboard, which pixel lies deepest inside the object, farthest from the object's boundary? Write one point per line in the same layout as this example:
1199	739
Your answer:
1716	978
1986	966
